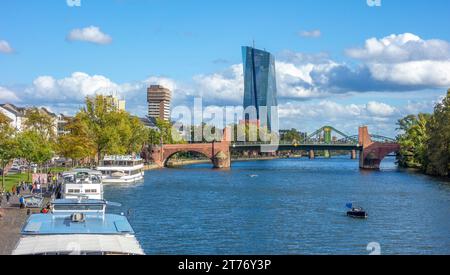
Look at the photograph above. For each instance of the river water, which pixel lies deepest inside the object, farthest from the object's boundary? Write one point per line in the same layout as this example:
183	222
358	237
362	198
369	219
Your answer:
287	206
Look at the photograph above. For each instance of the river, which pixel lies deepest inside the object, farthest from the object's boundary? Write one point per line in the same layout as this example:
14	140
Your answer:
287	206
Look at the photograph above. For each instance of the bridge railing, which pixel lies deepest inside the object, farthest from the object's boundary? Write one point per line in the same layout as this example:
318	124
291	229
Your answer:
306	143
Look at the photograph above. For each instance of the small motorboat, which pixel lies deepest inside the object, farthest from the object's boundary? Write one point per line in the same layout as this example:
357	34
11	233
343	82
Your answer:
356	212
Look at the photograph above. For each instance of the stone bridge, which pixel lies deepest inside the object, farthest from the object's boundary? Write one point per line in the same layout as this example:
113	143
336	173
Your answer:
218	152
370	156
373	152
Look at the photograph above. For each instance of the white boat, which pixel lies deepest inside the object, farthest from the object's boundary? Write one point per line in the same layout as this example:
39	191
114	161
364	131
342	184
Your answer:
82	183
77	227
121	169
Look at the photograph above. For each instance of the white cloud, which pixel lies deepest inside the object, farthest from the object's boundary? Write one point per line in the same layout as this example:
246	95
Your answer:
224	87
401	48
73	88
414	73
91	34
380	109
310	116
7	95
406	59
163	81
311	34
5	47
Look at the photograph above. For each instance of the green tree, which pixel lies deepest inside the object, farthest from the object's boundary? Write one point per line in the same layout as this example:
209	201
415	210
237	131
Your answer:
413	140
102	131
112	131
8	145
38	120
4	121
76	144
133	134
292	136
438	145
34	148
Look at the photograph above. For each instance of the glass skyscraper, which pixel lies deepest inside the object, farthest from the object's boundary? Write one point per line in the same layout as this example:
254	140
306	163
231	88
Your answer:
260	86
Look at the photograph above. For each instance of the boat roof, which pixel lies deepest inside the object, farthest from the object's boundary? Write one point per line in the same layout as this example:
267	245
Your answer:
123	244
77	201
82	170
51	224
127	157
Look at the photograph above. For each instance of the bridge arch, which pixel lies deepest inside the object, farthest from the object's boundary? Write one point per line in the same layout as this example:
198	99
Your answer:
168	157
373	153
217	152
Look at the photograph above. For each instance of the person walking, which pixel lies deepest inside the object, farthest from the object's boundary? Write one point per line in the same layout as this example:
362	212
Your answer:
8	196
21	202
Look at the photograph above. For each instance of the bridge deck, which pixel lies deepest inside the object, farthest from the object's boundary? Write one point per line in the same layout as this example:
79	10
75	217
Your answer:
281	146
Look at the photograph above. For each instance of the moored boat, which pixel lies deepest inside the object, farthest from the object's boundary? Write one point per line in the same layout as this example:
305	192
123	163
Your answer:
85	183
121	169
77	227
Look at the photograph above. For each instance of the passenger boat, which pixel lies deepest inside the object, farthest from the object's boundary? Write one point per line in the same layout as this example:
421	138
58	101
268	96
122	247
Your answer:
77	227
121	169
82	183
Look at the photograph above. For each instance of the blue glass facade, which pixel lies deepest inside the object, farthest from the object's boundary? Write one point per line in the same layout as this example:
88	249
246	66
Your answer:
260	86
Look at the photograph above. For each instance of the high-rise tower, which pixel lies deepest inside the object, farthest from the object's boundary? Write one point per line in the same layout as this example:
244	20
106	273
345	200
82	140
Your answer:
260	86
158	98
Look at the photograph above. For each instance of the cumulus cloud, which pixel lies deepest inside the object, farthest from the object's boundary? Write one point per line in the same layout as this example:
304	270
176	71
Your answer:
226	87
5	47
425	73
401	48
380	109
346	117
406	60
91	34
310	34
73	88
7	95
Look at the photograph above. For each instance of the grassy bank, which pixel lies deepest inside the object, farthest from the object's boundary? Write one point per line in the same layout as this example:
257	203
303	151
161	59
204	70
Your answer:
15	179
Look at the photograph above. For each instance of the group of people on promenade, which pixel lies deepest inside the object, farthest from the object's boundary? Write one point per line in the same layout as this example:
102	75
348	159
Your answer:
17	191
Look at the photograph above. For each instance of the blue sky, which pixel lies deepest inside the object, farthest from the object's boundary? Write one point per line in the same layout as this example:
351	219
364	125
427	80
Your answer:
194	44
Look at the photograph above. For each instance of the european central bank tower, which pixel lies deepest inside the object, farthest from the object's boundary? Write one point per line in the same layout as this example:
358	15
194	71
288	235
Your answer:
260	86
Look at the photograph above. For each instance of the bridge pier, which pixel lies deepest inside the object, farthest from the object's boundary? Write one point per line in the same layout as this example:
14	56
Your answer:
373	152
326	154
221	160
311	154
353	154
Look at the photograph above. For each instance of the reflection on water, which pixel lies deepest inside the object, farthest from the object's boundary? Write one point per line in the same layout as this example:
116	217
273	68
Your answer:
289	206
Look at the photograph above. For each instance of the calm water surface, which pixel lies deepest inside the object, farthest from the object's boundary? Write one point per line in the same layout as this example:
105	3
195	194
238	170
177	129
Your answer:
291	206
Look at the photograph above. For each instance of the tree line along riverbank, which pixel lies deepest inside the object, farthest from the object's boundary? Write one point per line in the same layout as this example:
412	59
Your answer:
425	140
